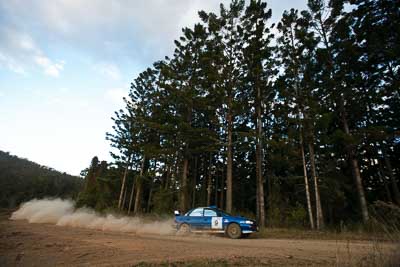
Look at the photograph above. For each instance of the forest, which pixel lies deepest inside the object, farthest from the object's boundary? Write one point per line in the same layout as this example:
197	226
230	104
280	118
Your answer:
22	180
294	123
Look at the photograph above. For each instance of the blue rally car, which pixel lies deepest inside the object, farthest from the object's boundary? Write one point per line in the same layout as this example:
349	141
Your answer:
213	220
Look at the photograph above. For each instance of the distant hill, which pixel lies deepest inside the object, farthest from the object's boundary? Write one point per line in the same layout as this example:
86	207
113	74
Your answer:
22	180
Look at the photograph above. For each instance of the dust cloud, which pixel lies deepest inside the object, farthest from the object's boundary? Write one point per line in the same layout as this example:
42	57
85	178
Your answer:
62	213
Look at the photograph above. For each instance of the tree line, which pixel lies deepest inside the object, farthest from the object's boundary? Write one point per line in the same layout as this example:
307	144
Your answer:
296	122
22	180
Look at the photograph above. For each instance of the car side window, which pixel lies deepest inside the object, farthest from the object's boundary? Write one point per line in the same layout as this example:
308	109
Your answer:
197	212
210	213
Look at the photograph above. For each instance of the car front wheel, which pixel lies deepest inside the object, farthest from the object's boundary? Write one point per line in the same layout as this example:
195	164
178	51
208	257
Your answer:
184	229
234	231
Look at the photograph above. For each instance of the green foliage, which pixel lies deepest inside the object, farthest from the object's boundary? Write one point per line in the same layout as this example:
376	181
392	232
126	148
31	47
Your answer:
163	202
385	217
87	199
22	180
325	85
101	187
297	216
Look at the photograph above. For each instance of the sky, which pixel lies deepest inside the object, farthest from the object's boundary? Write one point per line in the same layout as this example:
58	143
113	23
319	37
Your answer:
66	64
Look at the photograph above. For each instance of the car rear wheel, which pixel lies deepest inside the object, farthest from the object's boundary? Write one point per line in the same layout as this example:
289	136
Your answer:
184	229
234	231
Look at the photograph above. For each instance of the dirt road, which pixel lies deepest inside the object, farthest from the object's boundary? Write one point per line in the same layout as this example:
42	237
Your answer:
24	244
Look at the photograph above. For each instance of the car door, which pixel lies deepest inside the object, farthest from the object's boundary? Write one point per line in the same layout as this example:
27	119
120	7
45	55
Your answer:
211	220
195	218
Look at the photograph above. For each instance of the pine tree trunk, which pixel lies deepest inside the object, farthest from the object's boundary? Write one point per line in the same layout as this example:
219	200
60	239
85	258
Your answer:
385	184
150	196
138	196
167	177
259	157
123	199
270	200
209	189
297	87
257	200
229	161
216	189
194	198
151	188
222	189
184	201
319	215
123	182
209	182
175	173
131	197
261	204
194	182
360	189
136	209
132	192
184	186
395	188
354	164
309	207
203	192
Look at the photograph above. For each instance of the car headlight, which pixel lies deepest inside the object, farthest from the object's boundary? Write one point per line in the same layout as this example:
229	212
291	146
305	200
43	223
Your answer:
247	222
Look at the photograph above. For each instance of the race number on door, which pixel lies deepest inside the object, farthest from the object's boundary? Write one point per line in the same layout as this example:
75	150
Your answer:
216	223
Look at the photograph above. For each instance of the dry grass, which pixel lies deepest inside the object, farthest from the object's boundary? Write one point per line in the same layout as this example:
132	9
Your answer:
241	261
384	239
292	233
384	230
379	255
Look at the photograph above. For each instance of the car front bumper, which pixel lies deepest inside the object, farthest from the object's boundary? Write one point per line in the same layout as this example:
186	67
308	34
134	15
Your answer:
249	228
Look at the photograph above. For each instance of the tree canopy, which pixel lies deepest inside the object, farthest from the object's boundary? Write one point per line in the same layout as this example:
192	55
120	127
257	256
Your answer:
296	123
22	180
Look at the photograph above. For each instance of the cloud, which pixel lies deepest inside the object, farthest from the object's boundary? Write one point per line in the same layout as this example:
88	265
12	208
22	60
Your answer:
49	68
10	64
109	70
19	53
135	31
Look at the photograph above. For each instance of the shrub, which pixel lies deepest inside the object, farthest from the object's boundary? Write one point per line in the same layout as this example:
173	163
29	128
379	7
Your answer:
163	202
385	217
297	216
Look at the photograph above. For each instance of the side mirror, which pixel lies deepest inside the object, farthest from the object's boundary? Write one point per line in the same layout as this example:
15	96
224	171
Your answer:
177	213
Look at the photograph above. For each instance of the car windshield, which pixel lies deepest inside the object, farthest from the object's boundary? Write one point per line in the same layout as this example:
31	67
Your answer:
210	213
223	213
196	212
